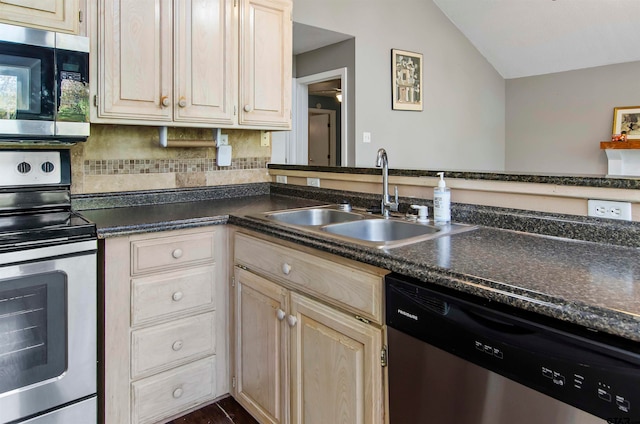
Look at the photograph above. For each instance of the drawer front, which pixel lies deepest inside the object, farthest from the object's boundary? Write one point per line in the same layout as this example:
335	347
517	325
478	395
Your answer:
169	344
173	391
341	285
171	252
170	293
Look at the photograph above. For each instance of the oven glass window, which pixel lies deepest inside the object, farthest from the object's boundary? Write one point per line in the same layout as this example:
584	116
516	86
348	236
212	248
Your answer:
27	89
32	329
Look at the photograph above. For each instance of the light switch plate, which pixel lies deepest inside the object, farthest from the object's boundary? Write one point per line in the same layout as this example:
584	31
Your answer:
313	182
366	137
281	179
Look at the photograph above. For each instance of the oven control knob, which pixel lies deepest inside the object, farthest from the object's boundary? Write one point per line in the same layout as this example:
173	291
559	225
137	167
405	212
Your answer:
47	167
177	393
177	345
177	254
24	167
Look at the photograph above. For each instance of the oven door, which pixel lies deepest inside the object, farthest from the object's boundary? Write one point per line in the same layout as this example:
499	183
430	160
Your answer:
48	338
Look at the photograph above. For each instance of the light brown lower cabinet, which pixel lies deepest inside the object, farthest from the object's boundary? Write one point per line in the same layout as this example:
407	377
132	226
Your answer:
299	356
165	318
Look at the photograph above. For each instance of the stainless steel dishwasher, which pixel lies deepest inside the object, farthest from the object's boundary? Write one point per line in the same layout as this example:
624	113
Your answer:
458	359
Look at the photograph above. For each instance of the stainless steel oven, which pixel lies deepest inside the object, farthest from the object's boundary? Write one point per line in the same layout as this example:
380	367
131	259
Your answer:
48	289
44	85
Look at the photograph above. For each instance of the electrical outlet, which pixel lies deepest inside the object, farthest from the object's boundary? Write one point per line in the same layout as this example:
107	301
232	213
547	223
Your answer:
265	138
224	140
609	209
313	182
281	179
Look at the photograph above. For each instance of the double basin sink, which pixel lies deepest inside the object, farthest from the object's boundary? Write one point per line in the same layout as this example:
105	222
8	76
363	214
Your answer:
361	228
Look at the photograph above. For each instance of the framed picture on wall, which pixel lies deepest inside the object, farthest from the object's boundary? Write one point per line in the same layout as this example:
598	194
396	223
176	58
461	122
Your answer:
406	80
627	119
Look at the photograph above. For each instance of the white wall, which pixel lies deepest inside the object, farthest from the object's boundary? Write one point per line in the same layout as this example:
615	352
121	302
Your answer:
555	122
463	122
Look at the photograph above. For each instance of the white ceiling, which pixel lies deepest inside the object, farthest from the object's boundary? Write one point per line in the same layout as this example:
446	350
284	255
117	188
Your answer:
530	37
533	37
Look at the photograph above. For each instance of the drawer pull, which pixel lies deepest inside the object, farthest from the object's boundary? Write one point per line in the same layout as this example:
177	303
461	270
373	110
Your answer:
177	393
292	321
182	102
280	314
177	254
286	268
164	101
177	296
177	345
247	108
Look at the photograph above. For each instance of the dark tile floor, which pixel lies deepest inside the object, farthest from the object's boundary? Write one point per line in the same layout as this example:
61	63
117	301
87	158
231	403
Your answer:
225	411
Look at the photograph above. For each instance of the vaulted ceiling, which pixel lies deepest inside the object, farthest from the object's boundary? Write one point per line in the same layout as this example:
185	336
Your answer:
533	37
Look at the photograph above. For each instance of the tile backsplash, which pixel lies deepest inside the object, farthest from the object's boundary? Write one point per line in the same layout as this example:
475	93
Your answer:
129	158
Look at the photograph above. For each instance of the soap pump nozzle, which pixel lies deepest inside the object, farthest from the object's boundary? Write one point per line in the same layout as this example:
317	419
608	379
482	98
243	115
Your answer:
441	183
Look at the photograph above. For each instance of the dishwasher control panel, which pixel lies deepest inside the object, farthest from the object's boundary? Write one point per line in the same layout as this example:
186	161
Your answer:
599	379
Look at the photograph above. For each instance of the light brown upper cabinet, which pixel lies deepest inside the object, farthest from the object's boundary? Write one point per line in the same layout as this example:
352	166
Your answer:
199	63
52	15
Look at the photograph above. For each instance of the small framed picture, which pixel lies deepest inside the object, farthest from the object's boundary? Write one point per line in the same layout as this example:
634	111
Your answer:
406	80
627	119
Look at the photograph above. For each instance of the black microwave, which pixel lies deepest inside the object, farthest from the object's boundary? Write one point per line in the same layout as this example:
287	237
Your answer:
44	85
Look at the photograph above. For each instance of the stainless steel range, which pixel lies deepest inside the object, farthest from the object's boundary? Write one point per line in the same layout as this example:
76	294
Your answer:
48	288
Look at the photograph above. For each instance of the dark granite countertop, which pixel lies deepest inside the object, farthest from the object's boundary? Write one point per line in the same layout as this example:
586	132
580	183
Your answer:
590	284
523	177
118	221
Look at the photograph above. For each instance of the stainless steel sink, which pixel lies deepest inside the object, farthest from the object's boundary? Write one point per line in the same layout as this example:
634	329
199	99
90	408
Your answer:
313	217
361	228
388	233
381	230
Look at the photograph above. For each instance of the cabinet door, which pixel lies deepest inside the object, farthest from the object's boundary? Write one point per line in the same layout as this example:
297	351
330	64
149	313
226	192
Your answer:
204	82
265	63
134	59
54	15
261	354
336	375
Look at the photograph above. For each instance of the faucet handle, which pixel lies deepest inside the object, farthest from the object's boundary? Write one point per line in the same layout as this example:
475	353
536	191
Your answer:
394	204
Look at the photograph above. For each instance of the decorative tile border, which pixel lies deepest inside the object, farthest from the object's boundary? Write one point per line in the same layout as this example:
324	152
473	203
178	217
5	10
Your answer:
159	166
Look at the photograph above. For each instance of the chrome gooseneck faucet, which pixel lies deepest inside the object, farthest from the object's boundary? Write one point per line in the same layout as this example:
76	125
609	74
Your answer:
386	204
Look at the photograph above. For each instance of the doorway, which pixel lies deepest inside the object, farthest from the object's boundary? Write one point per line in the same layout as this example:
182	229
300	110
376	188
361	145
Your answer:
299	148
292	147
322	137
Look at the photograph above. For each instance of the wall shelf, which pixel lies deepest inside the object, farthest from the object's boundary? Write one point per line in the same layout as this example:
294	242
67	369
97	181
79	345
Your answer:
623	157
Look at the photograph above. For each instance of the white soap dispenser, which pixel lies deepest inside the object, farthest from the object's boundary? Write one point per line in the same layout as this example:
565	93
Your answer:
441	201
423	213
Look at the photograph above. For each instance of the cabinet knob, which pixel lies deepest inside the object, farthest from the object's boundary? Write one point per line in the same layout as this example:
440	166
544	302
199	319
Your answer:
177	393
280	314
292	321
248	108
286	268
177	254
182	102
164	101
177	296
177	345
